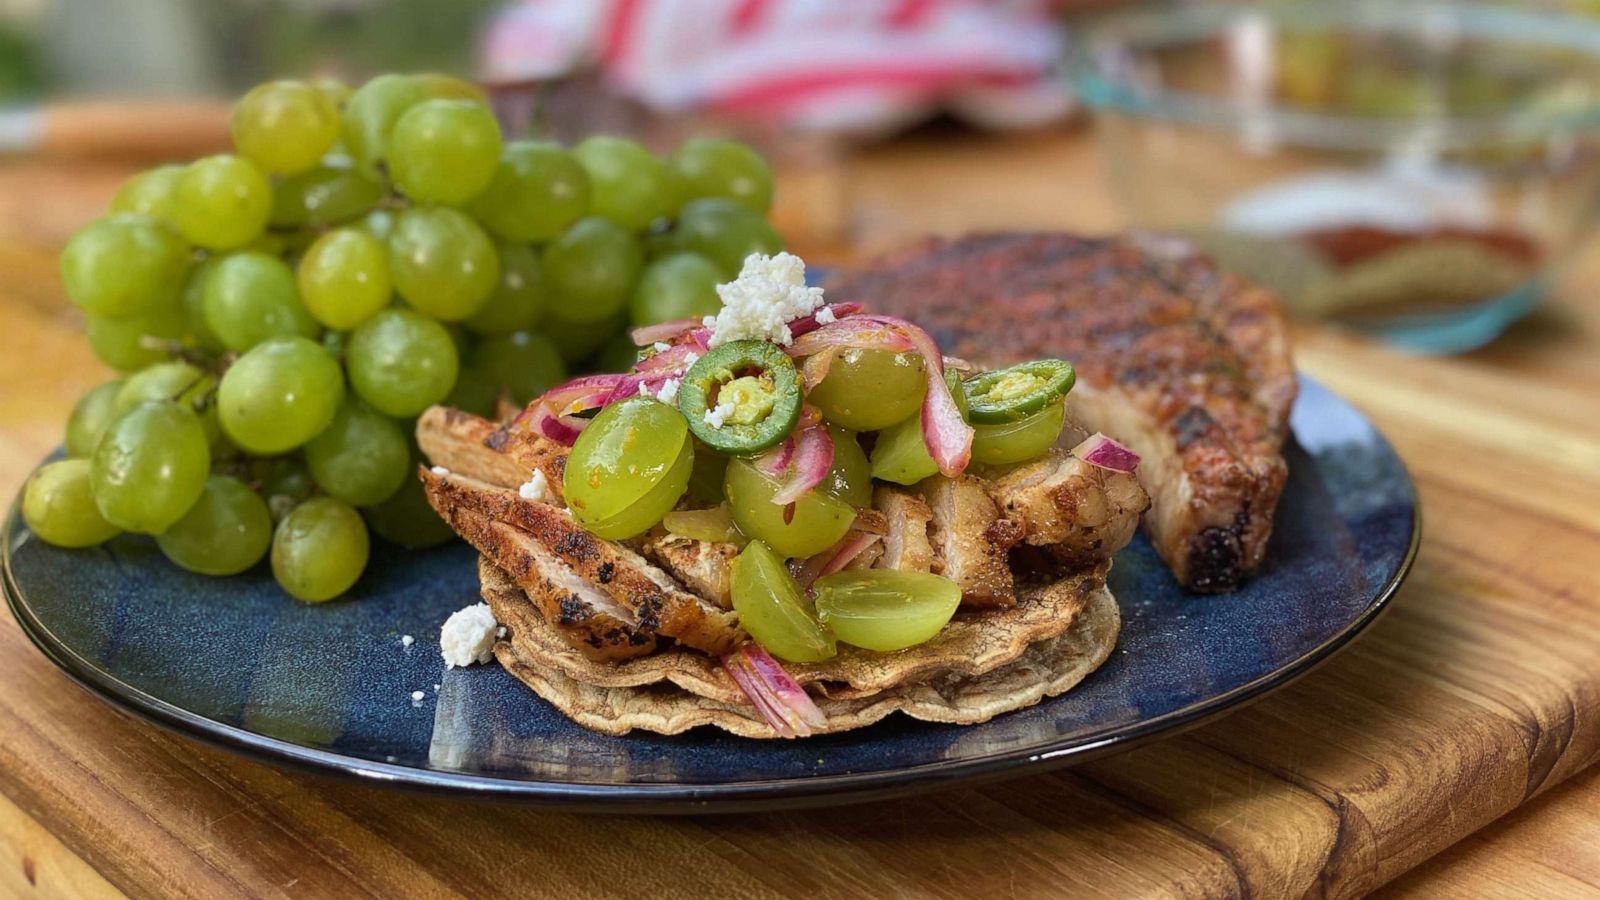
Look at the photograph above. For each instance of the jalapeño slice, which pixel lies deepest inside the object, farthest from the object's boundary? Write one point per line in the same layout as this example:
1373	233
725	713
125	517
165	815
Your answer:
742	397
1006	395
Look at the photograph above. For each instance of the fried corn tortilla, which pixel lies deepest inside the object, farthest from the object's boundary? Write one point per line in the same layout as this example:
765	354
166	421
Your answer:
688	689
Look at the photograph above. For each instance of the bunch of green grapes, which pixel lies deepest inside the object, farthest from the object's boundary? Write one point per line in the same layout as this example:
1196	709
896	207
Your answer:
281	314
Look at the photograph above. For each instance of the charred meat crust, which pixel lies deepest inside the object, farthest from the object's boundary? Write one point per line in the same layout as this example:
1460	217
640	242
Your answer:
1185	363
1078	513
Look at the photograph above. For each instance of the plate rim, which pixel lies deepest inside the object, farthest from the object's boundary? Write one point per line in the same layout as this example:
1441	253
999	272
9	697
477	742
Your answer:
797	792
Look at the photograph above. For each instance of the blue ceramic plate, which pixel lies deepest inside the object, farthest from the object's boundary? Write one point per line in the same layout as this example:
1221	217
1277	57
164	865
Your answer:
236	663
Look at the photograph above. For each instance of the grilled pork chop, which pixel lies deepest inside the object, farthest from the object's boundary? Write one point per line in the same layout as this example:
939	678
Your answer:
1186	364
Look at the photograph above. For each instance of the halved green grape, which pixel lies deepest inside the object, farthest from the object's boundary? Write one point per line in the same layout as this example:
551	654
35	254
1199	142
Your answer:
709	167
193	300
706	477
371	112
714	525
407	519
173	380
592	269
323	196
678	286
319	549
225	532
58	505
140	340
618	355
285	483
344	278
818	522
725	232
444	151
122	266
222	202
361	457
401	362
525	364
90	416
885	610
772	609
150	466
285	126
442	263
149	193
519	300
538	190
627	184
901	453
628	468
867	390
1019	441
850	476
279	394
250	297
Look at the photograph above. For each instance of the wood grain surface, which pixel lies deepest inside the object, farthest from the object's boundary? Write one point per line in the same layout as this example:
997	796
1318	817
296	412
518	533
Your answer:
1476	694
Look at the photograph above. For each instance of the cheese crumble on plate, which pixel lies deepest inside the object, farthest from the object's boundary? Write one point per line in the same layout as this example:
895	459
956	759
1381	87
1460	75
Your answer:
769	293
537	488
468	636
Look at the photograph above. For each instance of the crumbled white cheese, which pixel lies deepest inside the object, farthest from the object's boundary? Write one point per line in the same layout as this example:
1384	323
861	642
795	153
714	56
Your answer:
769	293
407	640
690	359
416	696
439	470
668	392
537	488
662	346
500	632
468	636
718	415
825	316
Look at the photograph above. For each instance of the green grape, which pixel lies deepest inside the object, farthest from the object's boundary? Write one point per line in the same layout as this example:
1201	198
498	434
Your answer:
58	505
724	232
618	355
407	519
90	416
819	520
710	470
361	457
333	90
628	468
627	184
173	380
285	483
122	266
576	341
442	263
537	192
772	609
323	196
868	390
716	168
679	286
193	300
227	530
592	269
285	126
519	299
379	223
371	112
901	453
444	151
137	341
401	363
1019	441
344	278
319	549
250	297
850	477
524	363
475	391
279	394
149	193
222	202
885	610
150	467
449	87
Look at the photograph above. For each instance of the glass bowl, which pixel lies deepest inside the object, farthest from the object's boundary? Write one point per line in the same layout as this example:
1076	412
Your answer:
1420	170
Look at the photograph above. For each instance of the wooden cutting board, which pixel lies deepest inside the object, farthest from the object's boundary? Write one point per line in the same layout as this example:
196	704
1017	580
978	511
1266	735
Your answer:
1477	692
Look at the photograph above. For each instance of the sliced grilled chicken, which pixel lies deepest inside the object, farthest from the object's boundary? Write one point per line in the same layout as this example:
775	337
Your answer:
636	593
456	440
905	540
704	567
970	540
532	452
1080	514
